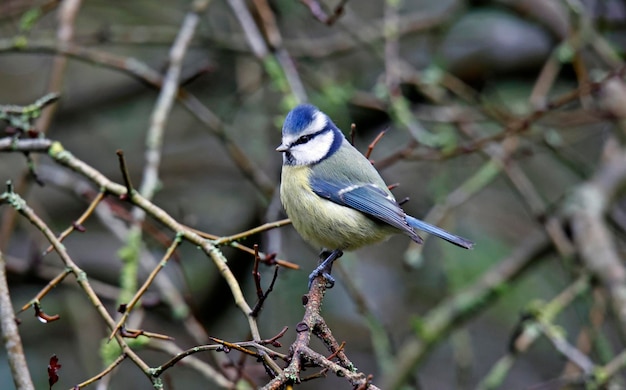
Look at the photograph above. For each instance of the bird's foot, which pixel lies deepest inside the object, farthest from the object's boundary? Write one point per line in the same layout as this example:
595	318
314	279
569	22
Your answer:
326	267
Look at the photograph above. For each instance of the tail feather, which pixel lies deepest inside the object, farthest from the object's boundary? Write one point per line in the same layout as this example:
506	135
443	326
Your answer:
436	231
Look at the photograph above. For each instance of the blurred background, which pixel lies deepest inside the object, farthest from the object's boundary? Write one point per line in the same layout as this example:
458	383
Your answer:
496	115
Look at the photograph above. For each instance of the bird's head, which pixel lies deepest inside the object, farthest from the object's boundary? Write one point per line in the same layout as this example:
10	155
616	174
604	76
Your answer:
309	136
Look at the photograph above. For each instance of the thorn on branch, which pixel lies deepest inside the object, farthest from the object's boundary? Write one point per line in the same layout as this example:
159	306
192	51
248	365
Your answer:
334	354
125	175
274	340
226	347
262	296
255	272
78	227
317	375
372	145
43	317
134	333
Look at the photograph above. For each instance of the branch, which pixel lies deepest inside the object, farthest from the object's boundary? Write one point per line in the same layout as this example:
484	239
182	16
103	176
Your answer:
441	320
11	336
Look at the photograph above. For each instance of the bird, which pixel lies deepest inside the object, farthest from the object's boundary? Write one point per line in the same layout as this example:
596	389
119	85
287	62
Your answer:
333	195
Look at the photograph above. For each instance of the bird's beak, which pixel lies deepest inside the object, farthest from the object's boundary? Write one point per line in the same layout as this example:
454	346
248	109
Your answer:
282	148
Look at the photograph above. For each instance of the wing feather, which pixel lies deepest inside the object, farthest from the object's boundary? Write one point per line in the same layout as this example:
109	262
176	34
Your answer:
368	199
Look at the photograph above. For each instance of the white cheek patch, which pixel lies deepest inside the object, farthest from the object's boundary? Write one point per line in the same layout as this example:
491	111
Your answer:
314	150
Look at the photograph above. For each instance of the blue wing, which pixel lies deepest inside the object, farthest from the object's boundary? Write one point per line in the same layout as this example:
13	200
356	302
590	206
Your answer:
368	199
439	232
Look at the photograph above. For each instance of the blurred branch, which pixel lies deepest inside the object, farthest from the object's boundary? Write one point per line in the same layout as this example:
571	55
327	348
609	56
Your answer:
512	126
316	10
399	106
66	16
381	338
279	65
585	209
145	74
11	336
441	320
165	102
67	13
528	330
339	42
150	177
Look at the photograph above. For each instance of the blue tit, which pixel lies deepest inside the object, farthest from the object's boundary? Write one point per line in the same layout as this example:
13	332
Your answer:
333	195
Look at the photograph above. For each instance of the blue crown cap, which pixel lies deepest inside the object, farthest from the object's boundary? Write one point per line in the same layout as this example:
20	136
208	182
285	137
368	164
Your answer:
299	118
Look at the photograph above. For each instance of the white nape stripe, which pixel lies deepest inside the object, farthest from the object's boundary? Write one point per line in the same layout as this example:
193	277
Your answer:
319	122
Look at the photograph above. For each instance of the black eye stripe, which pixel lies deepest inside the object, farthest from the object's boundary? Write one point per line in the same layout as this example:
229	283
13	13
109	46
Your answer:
302	140
306	138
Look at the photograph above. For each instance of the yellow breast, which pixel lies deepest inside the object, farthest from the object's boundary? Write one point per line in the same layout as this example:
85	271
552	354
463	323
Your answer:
324	223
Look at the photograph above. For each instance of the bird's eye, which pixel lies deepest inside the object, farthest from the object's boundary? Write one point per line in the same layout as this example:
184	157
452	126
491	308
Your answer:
304	139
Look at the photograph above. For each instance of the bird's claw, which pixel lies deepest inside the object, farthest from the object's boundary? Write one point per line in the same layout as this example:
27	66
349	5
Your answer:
322	271
330	281
325	268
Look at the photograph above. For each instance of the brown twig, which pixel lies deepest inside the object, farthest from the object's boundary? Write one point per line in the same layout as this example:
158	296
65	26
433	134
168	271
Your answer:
243	235
102	373
125	174
20	205
134	333
44	291
274	340
77	225
261	299
269	259
372	145
130	305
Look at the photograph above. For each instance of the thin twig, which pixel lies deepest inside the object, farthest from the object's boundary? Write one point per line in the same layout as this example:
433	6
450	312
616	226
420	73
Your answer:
130	305
102	373
44	291
125	173
20	205
144	73
81	220
248	233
